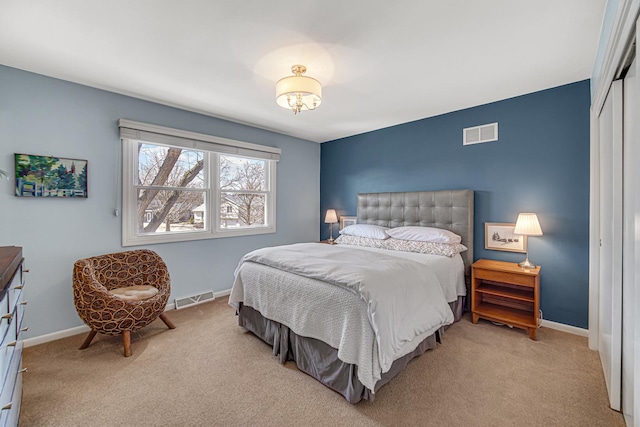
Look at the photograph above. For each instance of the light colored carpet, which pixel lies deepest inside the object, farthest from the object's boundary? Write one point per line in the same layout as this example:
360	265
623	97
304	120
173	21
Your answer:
209	371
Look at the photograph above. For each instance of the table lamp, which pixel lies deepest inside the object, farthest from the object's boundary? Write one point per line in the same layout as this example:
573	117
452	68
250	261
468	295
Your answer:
527	225
331	218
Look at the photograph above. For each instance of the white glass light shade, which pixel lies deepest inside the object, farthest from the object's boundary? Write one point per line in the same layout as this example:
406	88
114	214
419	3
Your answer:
298	92
528	225
331	217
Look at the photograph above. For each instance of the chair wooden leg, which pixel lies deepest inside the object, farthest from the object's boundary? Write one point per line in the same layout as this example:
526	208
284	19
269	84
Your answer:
126	341
167	322
88	340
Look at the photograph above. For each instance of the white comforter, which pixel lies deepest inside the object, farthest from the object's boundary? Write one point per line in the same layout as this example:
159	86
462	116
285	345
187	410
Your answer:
404	300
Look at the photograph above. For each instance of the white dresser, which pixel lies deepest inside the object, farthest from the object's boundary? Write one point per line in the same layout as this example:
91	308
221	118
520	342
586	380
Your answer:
12	305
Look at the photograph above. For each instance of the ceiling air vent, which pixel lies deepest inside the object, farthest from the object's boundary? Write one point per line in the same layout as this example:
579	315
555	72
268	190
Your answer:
478	134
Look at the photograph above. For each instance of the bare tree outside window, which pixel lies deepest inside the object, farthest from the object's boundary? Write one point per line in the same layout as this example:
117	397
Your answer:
180	186
243	185
170	185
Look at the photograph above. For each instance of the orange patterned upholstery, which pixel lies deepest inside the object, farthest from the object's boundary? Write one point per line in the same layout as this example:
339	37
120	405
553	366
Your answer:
106	313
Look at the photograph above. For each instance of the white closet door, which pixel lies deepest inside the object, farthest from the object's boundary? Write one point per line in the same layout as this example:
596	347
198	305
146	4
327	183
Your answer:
610	280
629	268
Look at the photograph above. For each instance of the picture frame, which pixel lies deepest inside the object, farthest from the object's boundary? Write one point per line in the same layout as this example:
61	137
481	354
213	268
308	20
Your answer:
346	221
499	236
48	176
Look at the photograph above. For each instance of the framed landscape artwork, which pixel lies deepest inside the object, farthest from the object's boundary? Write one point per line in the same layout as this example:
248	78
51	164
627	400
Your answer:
499	236
46	176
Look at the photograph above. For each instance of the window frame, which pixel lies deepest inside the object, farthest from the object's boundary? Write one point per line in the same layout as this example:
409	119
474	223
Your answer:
132	133
270	210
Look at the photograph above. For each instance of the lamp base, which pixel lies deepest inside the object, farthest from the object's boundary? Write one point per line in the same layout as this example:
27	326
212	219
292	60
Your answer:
331	241
526	263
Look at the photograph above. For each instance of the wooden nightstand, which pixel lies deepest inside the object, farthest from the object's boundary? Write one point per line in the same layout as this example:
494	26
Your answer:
506	293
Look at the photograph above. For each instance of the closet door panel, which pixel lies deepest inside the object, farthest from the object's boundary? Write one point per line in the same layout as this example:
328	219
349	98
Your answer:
610	277
630	276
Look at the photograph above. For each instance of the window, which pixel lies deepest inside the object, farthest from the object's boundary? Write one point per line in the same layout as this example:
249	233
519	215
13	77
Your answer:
174	180
244	191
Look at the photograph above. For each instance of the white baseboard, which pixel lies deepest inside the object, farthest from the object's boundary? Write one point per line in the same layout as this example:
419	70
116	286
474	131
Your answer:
84	328
56	335
221	294
565	328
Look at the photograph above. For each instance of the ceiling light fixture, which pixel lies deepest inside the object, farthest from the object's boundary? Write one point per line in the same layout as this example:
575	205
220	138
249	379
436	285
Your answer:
298	92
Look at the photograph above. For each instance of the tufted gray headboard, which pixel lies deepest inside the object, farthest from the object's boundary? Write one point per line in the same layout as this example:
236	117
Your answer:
449	209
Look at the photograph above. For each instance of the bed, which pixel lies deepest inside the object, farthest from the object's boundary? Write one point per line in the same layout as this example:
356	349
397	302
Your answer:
330	331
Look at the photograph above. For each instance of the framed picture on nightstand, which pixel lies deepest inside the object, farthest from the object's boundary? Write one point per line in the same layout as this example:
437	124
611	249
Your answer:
499	236
346	221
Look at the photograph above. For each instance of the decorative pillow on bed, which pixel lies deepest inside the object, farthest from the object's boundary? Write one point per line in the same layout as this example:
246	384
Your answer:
444	249
424	234
366	230
346	239
433	248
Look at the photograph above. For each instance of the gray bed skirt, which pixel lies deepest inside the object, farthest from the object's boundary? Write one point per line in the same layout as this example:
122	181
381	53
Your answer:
318	359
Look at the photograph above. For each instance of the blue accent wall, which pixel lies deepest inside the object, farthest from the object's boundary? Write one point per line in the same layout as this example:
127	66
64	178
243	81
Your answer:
539	164
45	116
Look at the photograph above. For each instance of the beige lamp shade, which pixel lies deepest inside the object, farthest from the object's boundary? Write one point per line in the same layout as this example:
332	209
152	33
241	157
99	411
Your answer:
528	225
298	92
331	217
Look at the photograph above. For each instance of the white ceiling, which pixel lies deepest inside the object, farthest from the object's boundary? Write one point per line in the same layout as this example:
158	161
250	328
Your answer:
381	62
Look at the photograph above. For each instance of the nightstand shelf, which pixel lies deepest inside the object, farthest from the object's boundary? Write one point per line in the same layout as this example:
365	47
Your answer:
506	293
512	292
500	313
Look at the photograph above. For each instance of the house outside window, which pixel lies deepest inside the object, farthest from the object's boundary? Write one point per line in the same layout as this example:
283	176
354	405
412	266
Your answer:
172	184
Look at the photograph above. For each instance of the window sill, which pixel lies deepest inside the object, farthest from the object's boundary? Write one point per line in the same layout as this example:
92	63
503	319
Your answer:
186	237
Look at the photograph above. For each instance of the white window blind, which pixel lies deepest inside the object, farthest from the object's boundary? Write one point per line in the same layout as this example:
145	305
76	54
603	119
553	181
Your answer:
182	138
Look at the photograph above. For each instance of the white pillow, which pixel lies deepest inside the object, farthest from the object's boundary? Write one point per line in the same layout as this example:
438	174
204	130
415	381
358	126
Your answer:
424	234
366	230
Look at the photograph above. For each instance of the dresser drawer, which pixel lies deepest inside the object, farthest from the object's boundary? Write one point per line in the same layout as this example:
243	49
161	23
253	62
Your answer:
20	306
10	299
6	319
15	289
20	327
7	354
11	396
12	305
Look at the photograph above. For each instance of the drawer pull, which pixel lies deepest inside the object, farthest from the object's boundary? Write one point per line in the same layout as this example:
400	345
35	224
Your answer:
19	287
7	406
12	344
23	370
25	270
23	303
7	316
25	329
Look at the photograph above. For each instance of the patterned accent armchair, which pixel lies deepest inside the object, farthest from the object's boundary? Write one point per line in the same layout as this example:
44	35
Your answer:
102	299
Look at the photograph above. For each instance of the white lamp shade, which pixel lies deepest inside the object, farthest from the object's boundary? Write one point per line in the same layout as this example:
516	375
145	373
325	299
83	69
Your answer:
331	217
528	225
308	87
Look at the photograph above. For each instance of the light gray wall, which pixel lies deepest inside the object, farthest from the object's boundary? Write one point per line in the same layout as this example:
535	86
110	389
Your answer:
45	116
